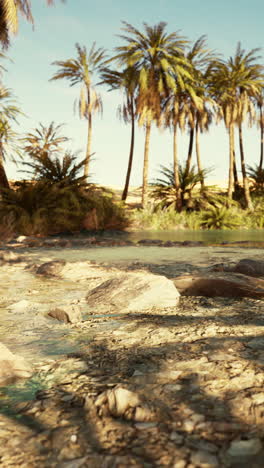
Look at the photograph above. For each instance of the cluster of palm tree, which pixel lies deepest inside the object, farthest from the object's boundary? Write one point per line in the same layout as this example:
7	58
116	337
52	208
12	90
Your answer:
166	82
170	83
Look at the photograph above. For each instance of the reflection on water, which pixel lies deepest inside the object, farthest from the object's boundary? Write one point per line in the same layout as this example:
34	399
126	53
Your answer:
209	237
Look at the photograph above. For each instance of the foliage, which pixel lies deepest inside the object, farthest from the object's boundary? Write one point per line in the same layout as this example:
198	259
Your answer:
44	141
63	171
165	191
157	219
159	58
42	209
256	175
7	228
9	12
219	217
9	112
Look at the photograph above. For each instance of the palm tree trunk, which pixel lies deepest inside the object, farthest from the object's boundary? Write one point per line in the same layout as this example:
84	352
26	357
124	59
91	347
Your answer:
176	170
3	177
236	182
261	137
145	167
88	148
249	204
190	149
89	135
198	154
231	164
131	153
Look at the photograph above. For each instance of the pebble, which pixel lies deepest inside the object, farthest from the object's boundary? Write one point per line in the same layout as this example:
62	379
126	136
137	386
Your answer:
204	460
243	448
180	464
145	425
177	438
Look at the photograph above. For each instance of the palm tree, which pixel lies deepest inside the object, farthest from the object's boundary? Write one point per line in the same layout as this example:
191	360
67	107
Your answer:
235	82
199	106
9	145
61	170
126	80
173	117
260	105
9	10
80	71
157	57
44	141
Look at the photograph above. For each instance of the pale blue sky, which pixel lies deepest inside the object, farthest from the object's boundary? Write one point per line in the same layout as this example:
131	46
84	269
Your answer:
57	30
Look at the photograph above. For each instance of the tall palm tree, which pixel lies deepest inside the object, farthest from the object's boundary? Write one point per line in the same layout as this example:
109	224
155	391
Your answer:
199	107
190	107
9	144
9	10
260	105
158	57
235	82
173	116
127	81
80	71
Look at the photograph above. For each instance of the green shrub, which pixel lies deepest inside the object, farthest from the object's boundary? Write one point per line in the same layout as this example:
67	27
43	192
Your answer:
220	217
43	209
156	219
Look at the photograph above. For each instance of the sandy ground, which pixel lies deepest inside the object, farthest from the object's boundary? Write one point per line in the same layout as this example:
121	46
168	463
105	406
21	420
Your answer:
180	387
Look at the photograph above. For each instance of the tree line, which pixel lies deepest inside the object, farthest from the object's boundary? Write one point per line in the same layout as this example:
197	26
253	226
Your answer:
168	82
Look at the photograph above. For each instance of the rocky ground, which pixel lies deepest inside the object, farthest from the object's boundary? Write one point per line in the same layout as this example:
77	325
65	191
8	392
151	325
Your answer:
178	387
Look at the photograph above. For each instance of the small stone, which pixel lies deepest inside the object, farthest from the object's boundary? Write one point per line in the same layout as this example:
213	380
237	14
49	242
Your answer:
256	343
188	425
77	463
243	448
204	459
10	257
63	422
173	387
21	238
258	398
66	398
66	314
177	438
180	464
20	306
52	268
197	418
145	425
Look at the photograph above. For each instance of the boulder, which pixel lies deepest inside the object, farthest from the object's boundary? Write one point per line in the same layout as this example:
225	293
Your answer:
250	267
12	367
67	314
52	268
133	292
220	284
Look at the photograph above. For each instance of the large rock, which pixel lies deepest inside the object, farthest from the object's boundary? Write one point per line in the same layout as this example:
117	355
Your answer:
220	284
12	367
133	292
250	267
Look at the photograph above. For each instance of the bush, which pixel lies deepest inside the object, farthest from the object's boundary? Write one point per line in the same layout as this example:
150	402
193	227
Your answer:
42	209
219	217
156	219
